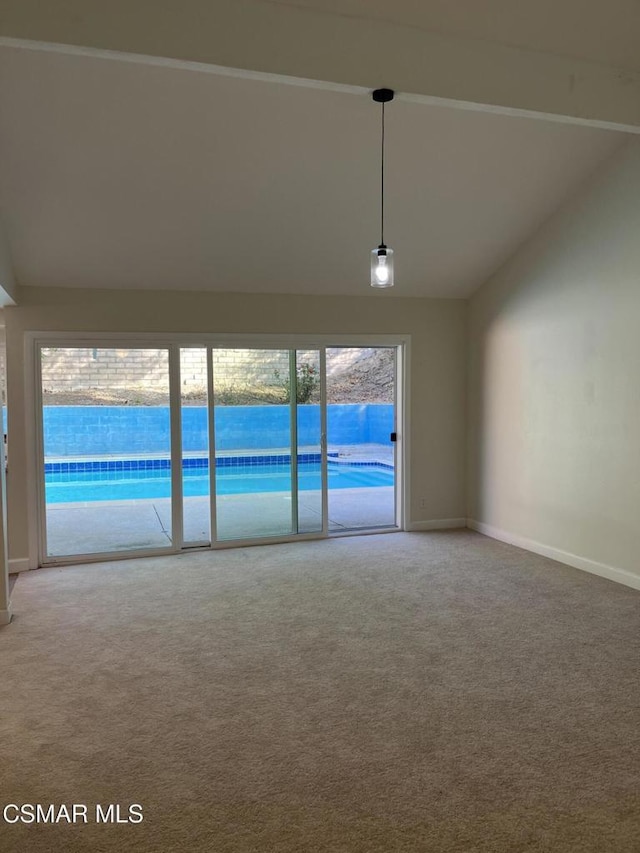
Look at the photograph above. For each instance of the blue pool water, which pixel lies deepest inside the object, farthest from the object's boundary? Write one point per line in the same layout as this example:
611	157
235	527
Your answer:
71	486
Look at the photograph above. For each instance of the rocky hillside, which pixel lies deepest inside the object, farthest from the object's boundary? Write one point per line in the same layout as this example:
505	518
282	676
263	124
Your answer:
368	379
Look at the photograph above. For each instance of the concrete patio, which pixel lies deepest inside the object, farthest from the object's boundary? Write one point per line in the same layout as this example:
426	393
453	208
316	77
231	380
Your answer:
85	528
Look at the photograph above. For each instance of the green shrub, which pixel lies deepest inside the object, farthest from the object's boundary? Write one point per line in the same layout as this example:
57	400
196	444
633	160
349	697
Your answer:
307	381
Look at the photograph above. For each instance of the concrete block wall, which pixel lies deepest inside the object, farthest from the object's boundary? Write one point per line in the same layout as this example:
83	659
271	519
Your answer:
81	369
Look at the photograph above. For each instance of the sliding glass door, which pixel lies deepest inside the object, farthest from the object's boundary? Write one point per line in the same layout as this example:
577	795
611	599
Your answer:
310	417
268	443
106	449
178	447
195	438
361	437
253	441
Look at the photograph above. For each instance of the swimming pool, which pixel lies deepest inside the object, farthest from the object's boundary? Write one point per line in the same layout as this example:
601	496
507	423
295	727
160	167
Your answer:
76	483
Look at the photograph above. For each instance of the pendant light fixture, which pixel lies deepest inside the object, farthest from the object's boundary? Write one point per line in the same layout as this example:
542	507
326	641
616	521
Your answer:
382	257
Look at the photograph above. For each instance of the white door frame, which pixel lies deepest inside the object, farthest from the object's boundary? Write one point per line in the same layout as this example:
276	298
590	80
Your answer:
35	341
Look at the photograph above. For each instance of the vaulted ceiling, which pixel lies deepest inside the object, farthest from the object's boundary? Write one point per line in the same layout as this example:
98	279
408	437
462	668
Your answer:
128	173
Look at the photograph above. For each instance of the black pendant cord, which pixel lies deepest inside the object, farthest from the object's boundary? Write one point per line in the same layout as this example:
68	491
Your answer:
382	96
382	183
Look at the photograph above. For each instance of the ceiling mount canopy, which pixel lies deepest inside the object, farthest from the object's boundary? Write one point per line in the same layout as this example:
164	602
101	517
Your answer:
382	96
382	257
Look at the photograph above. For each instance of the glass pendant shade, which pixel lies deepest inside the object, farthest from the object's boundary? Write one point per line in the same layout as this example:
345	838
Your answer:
382	267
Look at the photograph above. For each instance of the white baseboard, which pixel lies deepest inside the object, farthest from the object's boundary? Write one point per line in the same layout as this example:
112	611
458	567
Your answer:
20	565
610	572
5	615
437	524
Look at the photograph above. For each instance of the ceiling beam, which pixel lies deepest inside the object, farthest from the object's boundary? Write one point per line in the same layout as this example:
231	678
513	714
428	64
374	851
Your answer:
285	39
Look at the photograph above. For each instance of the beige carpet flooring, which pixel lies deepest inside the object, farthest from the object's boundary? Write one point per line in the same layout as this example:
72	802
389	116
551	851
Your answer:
408	692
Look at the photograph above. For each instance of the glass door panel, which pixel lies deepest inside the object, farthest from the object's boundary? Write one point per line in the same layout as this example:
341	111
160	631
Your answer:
361	383
253	427
194	397
107	443
309	441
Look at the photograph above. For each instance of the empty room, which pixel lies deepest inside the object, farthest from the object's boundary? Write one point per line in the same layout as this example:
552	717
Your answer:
321	479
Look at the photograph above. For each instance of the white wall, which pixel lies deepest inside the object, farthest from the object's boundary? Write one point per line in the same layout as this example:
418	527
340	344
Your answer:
8	283
438	369
554	379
